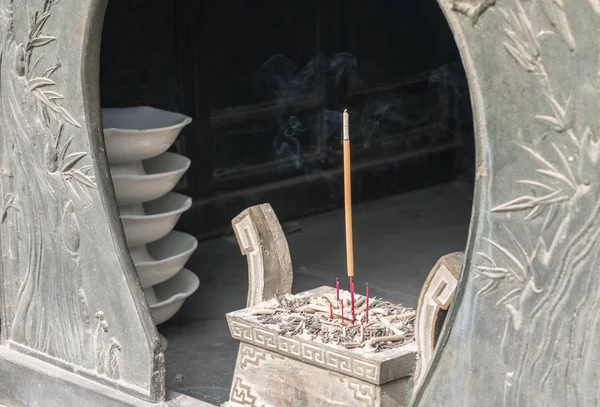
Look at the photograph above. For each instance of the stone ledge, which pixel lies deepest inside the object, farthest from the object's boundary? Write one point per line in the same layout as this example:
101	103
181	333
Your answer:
27	381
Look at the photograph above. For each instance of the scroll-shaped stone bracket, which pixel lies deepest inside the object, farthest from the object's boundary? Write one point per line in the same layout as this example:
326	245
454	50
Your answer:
263	242
434	299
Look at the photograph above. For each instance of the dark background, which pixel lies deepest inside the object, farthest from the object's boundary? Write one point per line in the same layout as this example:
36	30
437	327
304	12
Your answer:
265	83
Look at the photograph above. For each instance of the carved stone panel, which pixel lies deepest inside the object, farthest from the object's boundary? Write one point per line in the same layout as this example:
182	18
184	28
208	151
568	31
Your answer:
524	327
69	293
266	378
263	242
435	297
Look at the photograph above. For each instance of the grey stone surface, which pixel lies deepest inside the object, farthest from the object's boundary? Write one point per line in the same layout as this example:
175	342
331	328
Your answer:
376	368
275	370
523	329
69	292
29	382
266	378
434	300
263	242
396	242
24	119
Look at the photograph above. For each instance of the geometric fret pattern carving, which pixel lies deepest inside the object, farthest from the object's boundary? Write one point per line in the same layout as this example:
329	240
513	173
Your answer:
242	394
353	366
436	295
250	246
274	370
262	381
253	356
362	391
262	241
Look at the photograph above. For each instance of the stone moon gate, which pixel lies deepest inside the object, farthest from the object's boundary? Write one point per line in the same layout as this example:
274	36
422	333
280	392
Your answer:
523	329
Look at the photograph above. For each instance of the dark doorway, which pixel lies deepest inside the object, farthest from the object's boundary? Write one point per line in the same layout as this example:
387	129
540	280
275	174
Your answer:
265	83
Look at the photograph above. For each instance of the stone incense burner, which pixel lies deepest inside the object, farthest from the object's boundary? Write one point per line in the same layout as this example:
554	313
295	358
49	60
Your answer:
275	369
296	350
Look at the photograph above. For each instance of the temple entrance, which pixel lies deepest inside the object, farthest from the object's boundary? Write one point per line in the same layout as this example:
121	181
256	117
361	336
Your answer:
266	109
75	324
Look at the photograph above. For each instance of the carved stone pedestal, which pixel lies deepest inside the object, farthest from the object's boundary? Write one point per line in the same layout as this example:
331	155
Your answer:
279	371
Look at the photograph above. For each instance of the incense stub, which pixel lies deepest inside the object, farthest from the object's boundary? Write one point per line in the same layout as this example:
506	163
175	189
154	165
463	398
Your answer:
297	350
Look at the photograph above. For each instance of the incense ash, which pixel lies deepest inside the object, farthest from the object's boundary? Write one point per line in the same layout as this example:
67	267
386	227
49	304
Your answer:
390	326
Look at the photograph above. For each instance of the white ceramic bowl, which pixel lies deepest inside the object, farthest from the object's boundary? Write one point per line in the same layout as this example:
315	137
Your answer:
167	298
138	133
164	342
145	181
153	220
161	260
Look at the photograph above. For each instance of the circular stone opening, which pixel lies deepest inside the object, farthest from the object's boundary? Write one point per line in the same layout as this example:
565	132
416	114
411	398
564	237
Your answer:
265	87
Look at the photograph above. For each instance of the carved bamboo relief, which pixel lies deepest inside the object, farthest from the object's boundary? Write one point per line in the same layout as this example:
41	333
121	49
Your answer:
37	234
59	264
526	305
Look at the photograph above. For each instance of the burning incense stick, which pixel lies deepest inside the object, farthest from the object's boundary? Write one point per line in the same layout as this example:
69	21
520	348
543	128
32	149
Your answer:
337	290
348	207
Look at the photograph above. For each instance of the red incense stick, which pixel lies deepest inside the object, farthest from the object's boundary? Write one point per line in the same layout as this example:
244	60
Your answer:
330	311
367	294
352	297
337	289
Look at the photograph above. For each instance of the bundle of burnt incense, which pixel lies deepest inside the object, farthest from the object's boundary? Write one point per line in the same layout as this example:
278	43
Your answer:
318	318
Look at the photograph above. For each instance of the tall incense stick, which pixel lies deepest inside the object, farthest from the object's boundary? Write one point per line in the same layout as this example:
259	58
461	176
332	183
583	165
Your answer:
348	207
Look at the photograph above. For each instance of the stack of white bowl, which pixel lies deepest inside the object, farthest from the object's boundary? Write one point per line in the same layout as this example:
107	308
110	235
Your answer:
144	175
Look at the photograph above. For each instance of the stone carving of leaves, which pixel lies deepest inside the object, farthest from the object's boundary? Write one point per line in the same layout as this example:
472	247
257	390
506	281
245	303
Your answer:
49	107
47	100
522	44
472	8
531	280
555	10
34	114
524	47
536	204
59	159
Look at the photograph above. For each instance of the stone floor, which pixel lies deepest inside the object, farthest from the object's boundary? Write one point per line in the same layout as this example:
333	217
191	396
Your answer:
397	241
